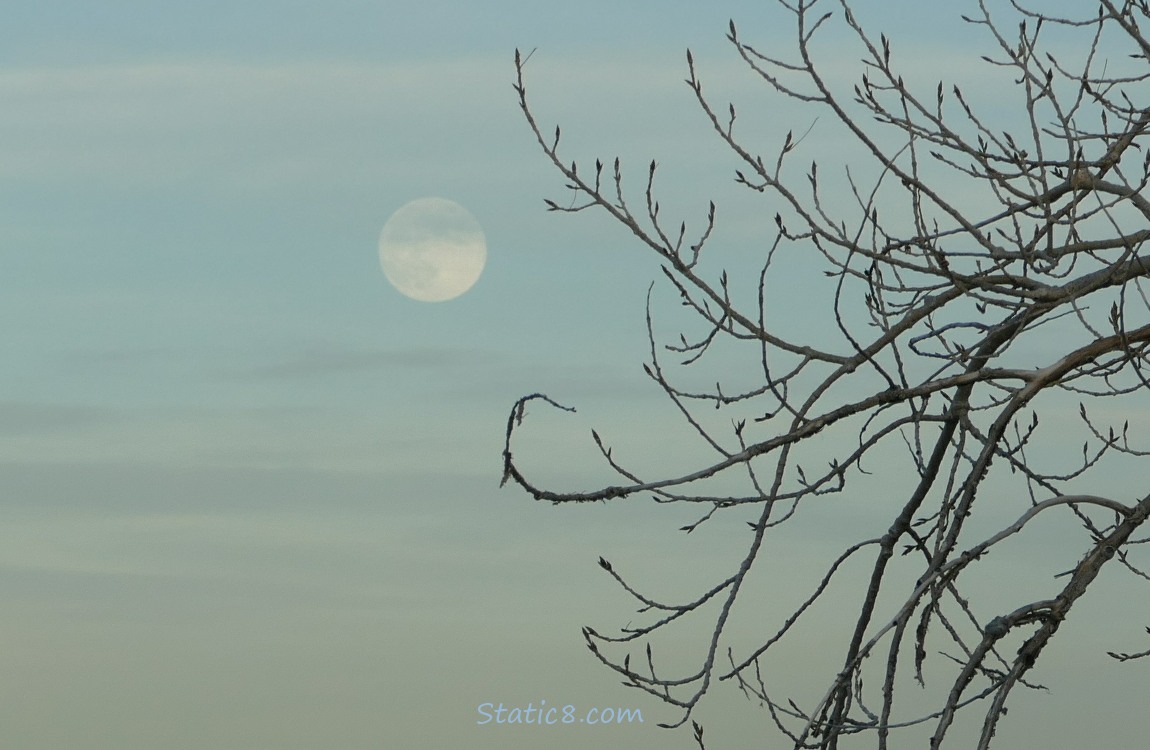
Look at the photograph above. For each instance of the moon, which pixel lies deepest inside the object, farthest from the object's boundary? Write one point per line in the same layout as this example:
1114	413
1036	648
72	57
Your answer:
432	250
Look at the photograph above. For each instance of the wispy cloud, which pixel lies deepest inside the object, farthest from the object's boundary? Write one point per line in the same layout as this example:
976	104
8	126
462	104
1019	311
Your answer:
39	418
332	359
236	124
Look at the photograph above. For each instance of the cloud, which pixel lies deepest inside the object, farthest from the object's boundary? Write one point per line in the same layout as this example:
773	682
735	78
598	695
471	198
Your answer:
261	126
236	124
330	359
38	418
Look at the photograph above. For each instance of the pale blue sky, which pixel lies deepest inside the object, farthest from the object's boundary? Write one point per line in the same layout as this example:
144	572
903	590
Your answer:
248	491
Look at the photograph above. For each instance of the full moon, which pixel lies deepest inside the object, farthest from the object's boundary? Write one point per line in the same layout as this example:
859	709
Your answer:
432	250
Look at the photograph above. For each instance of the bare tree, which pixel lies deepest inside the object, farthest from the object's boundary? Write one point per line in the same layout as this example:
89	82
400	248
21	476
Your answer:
938	301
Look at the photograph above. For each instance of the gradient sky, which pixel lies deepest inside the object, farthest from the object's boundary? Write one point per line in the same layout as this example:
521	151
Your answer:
249	493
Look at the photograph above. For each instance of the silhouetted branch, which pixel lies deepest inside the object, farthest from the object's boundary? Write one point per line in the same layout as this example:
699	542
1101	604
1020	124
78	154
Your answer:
964	245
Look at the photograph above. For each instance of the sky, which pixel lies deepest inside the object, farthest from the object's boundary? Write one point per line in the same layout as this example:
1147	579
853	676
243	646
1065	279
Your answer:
249	492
